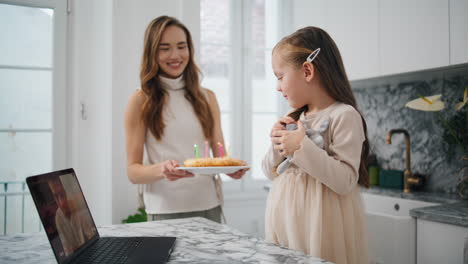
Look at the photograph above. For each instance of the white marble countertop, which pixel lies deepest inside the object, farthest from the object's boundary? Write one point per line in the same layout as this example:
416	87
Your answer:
198	241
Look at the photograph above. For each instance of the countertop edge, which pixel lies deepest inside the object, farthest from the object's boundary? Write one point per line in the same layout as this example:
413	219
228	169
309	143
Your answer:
430	213
439	198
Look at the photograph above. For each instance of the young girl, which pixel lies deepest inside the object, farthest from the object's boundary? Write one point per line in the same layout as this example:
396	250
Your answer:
166	118
314	204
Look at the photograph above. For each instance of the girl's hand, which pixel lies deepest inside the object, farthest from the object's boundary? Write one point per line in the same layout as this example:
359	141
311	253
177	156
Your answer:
287	142
171	173
281	124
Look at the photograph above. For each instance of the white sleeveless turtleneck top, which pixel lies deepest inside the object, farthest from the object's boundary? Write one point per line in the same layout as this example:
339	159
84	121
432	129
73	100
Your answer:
182	131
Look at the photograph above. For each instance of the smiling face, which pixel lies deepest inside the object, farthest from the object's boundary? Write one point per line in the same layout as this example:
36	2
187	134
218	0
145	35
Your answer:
173	52
291	81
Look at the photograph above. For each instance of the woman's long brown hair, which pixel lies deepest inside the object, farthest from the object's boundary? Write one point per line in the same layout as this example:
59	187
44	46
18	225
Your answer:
156	96
329	66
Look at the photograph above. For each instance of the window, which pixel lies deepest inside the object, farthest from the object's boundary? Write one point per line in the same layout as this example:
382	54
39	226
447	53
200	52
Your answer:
237	38
32	102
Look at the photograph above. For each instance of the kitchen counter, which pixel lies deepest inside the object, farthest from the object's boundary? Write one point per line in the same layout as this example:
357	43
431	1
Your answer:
429	197
452	209
198	241
453	213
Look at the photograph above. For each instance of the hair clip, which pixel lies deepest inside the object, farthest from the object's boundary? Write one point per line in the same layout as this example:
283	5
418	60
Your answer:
312	55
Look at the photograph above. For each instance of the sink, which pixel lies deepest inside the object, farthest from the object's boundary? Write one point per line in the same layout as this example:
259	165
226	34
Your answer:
391	229
391	206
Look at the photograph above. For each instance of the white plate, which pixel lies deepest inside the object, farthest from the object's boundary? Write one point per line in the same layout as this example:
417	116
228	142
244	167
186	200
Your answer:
212	170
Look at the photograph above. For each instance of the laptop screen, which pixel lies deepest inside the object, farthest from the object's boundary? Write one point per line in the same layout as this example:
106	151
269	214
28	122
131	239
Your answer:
63	212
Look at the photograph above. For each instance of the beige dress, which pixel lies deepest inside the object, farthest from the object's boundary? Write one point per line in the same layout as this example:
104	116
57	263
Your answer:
315	205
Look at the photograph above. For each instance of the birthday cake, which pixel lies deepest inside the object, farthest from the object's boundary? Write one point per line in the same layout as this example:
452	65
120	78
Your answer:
213	162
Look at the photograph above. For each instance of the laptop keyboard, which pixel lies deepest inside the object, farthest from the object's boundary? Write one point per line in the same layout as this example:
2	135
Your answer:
110	250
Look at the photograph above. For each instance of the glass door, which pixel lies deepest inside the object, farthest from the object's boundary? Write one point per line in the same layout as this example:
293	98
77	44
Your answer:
32	104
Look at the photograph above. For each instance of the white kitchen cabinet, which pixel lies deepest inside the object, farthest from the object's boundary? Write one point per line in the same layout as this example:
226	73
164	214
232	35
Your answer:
355	30
440	243
458	31
384	37
391	229
414	35
353	25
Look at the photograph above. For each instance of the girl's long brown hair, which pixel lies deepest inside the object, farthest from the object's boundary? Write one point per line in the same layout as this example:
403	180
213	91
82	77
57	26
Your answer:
156	96
329	66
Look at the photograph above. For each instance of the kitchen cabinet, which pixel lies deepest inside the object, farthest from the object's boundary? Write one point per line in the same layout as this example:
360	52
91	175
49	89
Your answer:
391	229
458	31
385	37
439	243
355	31
414	35
391	239
353	25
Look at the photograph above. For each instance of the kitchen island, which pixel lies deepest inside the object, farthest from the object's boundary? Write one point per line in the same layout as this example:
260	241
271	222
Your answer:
198	241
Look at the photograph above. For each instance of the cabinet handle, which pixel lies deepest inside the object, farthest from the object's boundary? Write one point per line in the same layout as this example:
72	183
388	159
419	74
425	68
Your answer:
397	207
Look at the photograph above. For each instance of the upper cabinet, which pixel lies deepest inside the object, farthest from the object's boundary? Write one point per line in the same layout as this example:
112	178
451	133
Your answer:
382	37
353	25
414	35
458	31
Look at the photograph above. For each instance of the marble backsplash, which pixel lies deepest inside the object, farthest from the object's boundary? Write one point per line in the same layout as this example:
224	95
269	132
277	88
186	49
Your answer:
382	101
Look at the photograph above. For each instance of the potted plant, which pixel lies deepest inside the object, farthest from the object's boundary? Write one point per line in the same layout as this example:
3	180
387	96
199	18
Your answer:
141	216
455	131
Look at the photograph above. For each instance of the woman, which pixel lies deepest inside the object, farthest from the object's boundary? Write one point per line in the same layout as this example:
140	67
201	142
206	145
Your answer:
165	118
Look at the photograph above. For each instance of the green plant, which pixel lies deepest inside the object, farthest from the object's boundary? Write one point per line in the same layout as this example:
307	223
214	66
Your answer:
462	185
455	127
458	137
136	218
455	131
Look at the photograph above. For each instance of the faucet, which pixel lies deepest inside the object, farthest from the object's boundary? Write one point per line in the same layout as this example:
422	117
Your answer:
408	179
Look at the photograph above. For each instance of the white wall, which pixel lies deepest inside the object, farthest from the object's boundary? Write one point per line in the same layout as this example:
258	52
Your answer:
90	82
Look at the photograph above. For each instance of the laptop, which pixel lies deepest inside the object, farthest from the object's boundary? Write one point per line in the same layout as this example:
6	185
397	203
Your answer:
72	233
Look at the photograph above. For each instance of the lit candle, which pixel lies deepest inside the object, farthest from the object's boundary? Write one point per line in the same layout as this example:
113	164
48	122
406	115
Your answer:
196	150
220	146
207	150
